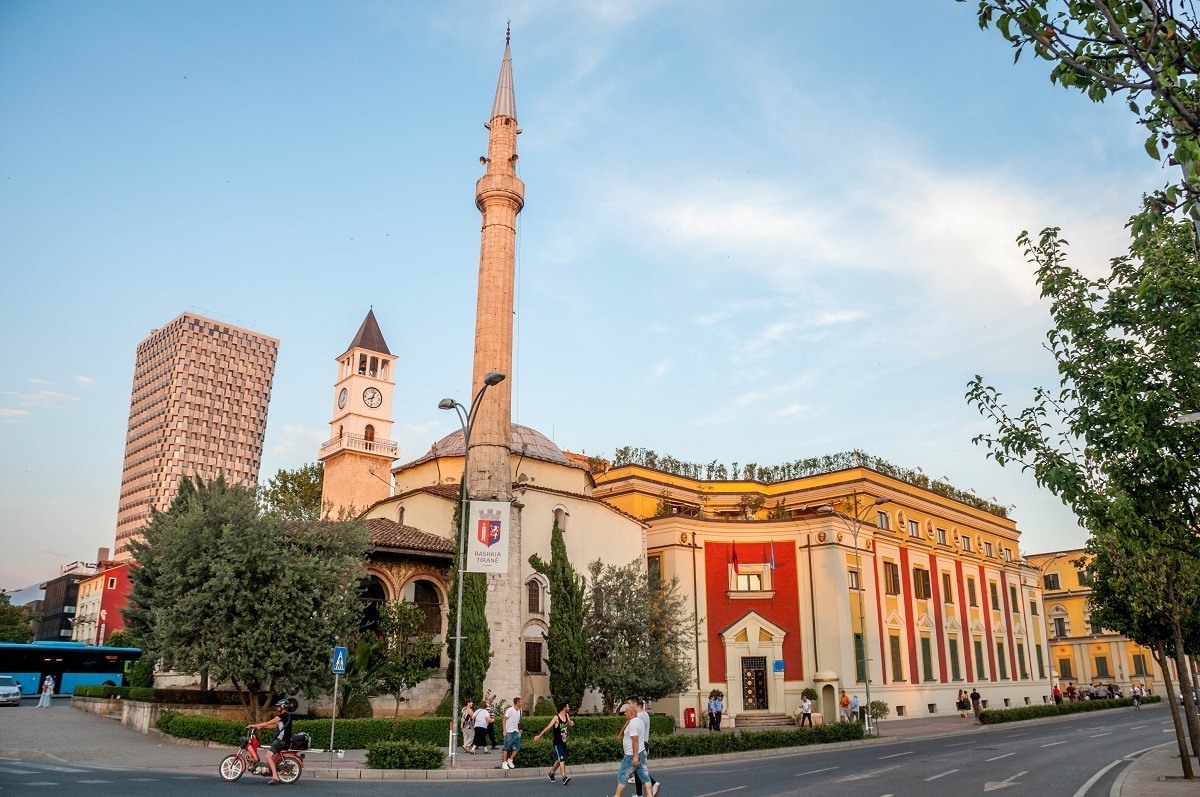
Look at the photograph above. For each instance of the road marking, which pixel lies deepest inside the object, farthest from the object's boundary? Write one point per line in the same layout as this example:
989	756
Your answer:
1137	727
95	781
959	744
815	771
19	771
896	755
1168	730
61	769
942	775
992	785
43	783
1055	744
1098	735
722	791
143	780
865	775
1090	782
997	758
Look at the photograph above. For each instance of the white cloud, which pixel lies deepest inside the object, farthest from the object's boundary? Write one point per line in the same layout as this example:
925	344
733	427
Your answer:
759	402
11	413
41	398
37	381
83	380
660	369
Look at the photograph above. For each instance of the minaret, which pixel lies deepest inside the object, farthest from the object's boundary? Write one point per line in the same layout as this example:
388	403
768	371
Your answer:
499	195
358	456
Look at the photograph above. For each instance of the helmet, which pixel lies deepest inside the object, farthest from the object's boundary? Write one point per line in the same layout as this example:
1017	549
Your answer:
287	704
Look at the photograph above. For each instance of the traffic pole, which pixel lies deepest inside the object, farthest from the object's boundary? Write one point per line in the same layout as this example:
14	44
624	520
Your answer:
333	719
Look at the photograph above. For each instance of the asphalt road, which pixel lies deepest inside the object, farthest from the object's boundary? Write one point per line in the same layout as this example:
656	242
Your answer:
1056	759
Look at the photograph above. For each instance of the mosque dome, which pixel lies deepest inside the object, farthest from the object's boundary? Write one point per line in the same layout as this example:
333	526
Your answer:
525	442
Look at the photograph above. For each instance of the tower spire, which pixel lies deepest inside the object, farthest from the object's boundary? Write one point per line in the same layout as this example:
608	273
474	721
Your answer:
505	103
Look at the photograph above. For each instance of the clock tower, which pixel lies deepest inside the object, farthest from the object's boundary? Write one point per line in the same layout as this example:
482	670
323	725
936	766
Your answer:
358	456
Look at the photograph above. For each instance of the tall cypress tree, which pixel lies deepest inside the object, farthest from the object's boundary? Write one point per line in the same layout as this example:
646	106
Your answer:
566	642
477	637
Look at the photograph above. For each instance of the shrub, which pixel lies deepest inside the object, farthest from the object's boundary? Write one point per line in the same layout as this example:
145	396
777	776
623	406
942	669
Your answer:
446	707
879	710
997	716
357	707
142	672
405	755
206	729
544	708
595	750
809	692
107	692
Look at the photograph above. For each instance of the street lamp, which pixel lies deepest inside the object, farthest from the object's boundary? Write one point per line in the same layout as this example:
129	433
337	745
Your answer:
466	417
854	526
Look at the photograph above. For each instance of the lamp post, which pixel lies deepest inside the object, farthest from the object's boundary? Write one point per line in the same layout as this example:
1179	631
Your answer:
854	526
466	417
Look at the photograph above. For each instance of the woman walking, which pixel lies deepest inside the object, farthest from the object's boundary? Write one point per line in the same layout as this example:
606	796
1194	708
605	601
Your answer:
558	734
47	690
467	720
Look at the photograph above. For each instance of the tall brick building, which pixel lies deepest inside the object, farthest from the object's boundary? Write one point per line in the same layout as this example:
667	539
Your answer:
198	408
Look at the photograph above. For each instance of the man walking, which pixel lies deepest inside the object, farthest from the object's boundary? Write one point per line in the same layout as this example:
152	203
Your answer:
844	703
644	717
854	709
806	712
512	735
976	703
631	744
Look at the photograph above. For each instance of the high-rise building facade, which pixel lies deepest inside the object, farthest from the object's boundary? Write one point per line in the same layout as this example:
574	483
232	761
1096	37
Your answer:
198	409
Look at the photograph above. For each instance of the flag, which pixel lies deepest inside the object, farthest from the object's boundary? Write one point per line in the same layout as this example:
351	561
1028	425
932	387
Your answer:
772	554
735	561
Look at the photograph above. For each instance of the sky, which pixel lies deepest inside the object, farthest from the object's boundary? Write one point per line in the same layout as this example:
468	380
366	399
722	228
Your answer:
753	232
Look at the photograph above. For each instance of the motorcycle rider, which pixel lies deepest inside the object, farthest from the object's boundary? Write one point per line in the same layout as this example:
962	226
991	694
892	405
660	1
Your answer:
282	723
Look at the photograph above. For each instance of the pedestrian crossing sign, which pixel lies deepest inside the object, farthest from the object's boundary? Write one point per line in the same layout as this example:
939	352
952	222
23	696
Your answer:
340	655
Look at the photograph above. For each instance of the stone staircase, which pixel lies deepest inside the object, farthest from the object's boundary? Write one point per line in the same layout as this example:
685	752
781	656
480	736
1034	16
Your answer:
749	720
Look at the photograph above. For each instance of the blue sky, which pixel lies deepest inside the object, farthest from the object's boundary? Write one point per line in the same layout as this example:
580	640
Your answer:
753	232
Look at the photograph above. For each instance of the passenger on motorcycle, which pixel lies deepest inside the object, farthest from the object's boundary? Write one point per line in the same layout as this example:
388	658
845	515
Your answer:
282	724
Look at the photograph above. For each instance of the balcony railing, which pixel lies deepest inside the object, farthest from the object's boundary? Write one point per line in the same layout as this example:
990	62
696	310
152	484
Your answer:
354	442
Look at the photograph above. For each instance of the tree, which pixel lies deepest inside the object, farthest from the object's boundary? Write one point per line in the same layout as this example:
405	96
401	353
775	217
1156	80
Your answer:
566	639
637	634
14	621
121	639
408	651
237	595
1147	52
1109	441
476	636
363	678
296	494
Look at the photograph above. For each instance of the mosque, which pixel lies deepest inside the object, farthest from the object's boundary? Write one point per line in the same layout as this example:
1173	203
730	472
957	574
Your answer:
840	573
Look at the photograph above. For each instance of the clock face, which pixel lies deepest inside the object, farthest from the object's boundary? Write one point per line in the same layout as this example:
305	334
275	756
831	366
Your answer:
342	399
372	397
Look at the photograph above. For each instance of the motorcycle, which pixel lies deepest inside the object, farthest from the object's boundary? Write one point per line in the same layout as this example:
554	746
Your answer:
289	764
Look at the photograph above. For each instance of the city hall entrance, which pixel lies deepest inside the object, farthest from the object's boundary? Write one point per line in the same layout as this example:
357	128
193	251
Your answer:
754	683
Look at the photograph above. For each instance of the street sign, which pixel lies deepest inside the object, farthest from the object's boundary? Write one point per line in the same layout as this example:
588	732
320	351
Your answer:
340	655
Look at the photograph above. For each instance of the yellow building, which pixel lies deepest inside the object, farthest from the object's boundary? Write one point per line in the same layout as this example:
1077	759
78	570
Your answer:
794	580
1083	653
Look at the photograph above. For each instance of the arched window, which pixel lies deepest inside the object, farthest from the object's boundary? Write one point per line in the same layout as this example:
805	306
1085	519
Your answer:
425	595
372	593
533	591
369	433
339	431
560	518
400	515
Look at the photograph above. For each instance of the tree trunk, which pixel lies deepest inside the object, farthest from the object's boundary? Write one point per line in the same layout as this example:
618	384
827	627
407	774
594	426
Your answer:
1184	758
247	702
1185	684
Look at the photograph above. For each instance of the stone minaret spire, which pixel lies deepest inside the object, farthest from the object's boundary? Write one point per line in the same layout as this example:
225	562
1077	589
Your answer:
499	195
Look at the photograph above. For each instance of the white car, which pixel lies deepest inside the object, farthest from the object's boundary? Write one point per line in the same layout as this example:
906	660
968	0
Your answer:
10	691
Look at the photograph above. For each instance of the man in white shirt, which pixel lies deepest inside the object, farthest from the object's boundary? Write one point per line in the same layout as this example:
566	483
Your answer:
805	712
632	737
512	735
644	717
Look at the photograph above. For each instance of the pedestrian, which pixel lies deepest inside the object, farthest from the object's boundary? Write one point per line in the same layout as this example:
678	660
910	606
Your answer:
558	735
482	717
512	735
806	712
976	703
715	707
1136	694
963	704
644	717
47	690
1057	695
854	709
467	720
844	702
491	723
1071	694
631	744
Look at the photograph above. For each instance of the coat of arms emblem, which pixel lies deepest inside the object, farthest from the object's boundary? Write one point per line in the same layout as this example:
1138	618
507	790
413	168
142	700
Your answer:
488	529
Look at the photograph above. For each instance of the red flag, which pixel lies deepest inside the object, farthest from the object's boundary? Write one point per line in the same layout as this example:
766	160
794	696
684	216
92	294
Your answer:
735	561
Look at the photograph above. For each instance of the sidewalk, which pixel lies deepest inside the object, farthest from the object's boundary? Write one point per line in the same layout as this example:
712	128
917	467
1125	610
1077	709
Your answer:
1157	774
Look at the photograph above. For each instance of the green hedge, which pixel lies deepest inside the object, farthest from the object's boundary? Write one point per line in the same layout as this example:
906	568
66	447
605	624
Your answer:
181	696
997	716
107	692
205	729
597	750
405	755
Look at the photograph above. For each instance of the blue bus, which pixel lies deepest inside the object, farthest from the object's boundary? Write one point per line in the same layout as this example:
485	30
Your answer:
70	664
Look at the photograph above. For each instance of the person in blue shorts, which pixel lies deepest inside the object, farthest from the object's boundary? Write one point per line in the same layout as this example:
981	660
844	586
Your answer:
558	734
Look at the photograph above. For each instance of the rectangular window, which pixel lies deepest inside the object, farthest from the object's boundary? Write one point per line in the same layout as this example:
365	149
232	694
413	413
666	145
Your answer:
1060	626
1021	668
1008	554
971	597
979	659
1065	670
860	659
654	568
883	520
914	529
1102	667
1095	626
1139	664
927	658
1085	578
1052	581
533	657
942	540
1037	652
112	583
988	550
891	578
853	576
897	658
1033	609
921	585
995	593
966	543
1002	664
955	666
947	592
748	582
1012	599
535	597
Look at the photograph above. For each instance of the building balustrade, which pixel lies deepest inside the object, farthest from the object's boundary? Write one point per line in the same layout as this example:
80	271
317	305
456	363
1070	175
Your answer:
354	442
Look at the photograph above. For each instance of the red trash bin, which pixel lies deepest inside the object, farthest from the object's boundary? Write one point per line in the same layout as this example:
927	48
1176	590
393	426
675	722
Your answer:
689	718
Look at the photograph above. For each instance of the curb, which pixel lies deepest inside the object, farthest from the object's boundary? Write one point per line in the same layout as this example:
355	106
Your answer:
37	755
